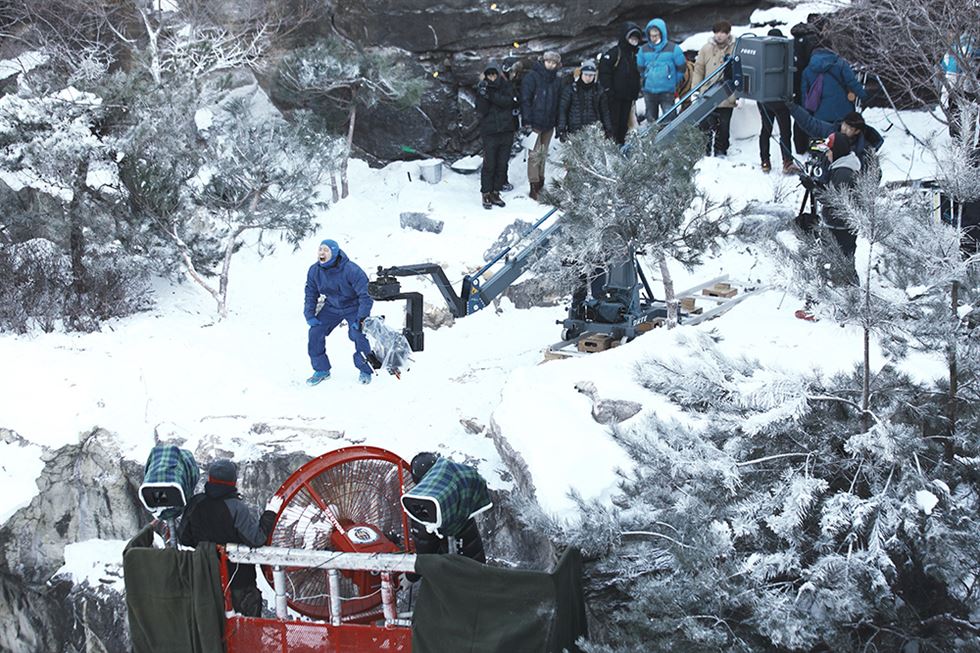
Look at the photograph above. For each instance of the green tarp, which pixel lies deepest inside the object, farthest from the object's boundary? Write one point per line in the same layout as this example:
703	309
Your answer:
173	598
466	607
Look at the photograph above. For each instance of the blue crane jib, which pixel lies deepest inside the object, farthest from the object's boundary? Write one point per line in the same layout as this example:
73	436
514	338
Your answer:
761	69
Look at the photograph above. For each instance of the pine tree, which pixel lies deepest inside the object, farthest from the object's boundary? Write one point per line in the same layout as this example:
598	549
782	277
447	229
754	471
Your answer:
616	205
257	173
769	520
343	76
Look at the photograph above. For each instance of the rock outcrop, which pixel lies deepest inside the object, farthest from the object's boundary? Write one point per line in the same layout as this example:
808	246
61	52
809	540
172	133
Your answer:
448	44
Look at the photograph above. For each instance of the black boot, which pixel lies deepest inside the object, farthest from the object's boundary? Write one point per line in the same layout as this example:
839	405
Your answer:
487	202
495	199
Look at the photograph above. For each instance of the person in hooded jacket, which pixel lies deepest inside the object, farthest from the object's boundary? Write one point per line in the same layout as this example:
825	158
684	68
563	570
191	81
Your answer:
344	287
583	103
218	515
620	79
865	139
712	55
661	65
833	79
495	102
540	93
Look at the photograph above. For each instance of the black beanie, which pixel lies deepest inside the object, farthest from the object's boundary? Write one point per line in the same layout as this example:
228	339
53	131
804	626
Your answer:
854	119
840	144
223	472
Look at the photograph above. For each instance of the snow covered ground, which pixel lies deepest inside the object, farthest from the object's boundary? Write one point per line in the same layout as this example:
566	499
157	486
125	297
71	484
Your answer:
177	370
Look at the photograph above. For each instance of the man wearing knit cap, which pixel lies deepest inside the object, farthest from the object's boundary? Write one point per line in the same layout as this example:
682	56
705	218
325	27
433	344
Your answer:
540	92
344	287
219	516
583	103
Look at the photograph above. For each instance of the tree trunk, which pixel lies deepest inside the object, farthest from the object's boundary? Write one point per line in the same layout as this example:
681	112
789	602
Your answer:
669	295
866	383
333	187
153	38
185	255
344	186
76	236
952	408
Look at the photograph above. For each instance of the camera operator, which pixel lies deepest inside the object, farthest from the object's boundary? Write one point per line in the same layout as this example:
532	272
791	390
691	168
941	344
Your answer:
838	170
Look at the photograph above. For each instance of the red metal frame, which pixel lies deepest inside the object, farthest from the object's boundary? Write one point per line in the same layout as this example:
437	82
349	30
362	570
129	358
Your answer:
258	635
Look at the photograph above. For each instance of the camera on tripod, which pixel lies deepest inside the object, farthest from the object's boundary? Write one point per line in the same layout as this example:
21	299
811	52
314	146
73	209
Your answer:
815	163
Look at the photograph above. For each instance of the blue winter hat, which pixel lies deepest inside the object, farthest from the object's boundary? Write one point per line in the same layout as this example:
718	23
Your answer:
332	244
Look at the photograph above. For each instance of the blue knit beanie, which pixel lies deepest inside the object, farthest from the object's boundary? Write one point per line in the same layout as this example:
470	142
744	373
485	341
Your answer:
332	244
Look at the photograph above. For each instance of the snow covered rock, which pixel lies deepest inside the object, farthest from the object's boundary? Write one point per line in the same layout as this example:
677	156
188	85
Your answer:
420	222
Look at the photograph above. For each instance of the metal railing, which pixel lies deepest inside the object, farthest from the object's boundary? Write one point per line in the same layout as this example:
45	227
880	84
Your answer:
333	562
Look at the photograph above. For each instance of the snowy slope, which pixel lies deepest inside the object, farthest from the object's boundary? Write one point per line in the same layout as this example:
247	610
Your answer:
179	371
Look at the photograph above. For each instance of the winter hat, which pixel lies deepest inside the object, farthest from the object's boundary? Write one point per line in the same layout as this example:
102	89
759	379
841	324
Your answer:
855	120
551	55
422	463
508	64
492	67
588	66
223	472
839	144
332	244
775	31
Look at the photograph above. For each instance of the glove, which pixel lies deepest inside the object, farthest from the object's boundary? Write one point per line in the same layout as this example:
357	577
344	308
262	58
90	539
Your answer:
525	130
357	325
275	503
694	96
562	137
313	322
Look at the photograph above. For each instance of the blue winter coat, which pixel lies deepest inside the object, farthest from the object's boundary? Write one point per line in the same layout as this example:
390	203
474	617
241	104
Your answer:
344	285
838	79
662	65
540	92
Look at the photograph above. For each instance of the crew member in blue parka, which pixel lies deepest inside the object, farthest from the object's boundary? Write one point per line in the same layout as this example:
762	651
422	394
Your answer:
344	287
661	65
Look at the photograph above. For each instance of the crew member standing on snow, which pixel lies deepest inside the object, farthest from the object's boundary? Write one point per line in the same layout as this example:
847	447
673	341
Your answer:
620	79
583	103
778	113
829	86
344	287
495	103
540	92
220	516
712	55
661	65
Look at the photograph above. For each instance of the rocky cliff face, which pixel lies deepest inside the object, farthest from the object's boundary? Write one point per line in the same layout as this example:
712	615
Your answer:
88	491
449	42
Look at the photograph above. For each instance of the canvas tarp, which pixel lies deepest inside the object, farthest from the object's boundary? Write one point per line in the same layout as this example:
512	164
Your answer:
173	598
467	607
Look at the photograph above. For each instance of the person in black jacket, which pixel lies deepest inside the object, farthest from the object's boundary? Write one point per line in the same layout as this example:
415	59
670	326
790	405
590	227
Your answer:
583	102
540	92
495	102
620	79
219	515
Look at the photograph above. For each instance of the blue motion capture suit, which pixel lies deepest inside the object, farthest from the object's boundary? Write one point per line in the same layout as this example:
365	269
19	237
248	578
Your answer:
345	289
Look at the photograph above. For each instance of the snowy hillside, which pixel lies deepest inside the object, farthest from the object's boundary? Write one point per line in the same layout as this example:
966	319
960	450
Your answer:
176	370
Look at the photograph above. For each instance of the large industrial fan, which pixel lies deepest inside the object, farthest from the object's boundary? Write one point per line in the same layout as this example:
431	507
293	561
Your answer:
346	501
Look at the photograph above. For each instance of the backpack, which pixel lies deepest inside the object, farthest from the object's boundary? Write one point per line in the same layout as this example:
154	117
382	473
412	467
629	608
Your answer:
812	100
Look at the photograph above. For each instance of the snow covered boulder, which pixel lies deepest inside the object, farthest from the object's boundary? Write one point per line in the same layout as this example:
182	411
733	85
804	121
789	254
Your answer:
420	222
